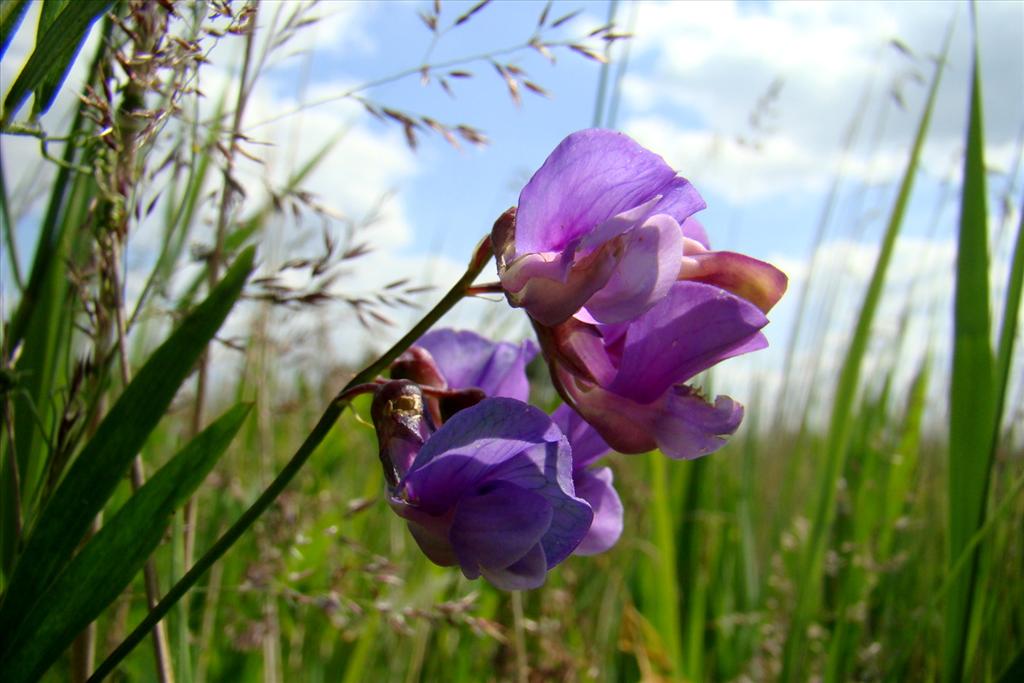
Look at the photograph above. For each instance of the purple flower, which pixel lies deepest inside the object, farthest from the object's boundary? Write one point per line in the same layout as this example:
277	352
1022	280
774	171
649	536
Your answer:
627	379
490	491
467	367
465	360
592	485
606	225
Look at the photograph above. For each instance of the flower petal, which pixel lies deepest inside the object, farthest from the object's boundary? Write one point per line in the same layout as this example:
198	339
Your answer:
694	327
644	275
466	359
501	440
572	515
579	348
592	175
430	532
681	423
525	574
587	445
552	286
471	445
498	526
595	487
760	283
690	427
694	229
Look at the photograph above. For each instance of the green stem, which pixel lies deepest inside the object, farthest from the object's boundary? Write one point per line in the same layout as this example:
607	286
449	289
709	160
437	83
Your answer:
334	410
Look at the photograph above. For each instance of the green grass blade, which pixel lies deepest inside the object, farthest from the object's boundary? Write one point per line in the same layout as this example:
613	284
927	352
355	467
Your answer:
972	387
665	610
54	52
1008	328
40	322
47	89
7	226
11	14
107	564
105	458
841	420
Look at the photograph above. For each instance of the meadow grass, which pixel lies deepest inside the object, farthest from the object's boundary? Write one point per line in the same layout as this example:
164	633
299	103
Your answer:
878	545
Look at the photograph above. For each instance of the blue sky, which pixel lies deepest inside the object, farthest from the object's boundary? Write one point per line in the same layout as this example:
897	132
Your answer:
696	74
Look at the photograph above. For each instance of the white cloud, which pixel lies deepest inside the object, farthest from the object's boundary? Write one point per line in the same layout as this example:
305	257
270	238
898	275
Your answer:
716	60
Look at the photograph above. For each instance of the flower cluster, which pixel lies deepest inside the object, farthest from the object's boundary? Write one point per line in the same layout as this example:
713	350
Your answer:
628	302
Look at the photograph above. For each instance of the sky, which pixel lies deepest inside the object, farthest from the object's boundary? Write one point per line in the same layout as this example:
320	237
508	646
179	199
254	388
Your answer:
751	101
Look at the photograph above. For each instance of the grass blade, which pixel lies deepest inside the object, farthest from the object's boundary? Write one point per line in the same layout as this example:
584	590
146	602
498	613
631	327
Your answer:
1008	328
54	52
665	611
11	14
972	388
107	564
105	458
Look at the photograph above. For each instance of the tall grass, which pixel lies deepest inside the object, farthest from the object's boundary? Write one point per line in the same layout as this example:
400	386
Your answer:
881	547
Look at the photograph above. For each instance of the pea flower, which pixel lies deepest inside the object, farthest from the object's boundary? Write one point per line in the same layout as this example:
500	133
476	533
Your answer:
628	379
592	485
461	359
605	225
491	490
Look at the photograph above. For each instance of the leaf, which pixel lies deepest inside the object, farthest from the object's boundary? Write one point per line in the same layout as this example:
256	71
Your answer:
54	52
109	562
11	14
972	389
105	458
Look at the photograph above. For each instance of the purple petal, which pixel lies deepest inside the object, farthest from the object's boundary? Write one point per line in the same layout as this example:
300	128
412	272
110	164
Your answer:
501	440
579	348
587	445
466	360
617	225
646	273
595	487
680	423
591	176
498	527
429	531
572	515
552	286
690	427
474	442
624	424
527	573
760	283
694	327
694	229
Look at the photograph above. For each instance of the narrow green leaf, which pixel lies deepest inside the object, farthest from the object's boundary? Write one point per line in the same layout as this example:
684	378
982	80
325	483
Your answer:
105	458
54	52
1008	328
841	421
972	394
11	14
47	89
98	574
665	611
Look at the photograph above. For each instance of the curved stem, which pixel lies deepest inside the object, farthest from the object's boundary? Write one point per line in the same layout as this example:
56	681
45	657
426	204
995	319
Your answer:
334	410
